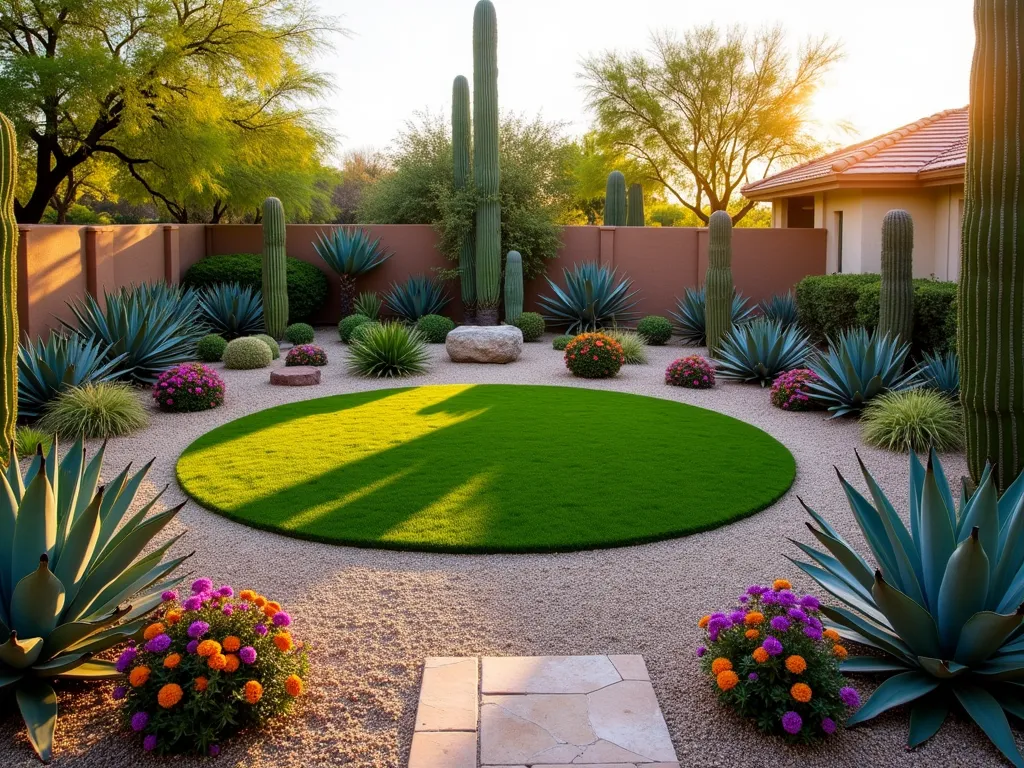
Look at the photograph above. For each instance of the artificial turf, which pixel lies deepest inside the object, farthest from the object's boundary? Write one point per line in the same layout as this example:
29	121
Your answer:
486	468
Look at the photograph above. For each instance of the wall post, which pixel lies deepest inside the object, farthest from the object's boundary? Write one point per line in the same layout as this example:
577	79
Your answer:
172	254
99	261
606	248
24	316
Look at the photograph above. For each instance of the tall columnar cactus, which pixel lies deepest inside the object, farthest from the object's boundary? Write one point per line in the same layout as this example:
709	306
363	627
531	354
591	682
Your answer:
615	200
461	149
897	308
486	171
635	210
8	287
991	303
275	285
719	287
513	287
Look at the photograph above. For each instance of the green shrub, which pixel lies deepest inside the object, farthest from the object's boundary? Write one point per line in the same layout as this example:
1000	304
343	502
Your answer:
388	351
349	324
634	350
28	439
561	342
247	353
656	330
594	356
827	304
307	285
272	345
914	420
531	324
368	303
210	348
361	330
104	409
300	333
435	328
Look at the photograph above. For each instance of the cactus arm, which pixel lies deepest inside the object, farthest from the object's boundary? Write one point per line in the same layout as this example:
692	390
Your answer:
275	285
718	281
9	287
513	287
486	169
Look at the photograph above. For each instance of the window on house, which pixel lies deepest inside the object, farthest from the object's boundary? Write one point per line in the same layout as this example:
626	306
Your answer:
839	240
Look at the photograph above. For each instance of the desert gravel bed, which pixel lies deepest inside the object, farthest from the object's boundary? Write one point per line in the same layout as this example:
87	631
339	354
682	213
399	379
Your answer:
371	616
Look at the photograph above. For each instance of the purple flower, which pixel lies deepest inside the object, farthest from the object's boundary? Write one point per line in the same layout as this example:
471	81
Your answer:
261	629
248	654
226	591
169	595
192	646
149	743
752	677
214	750
718	623
193	603
798	614
125	659
792	723
282	619
773	646
828	725
227	610
770	598
701	650
743	599
201	585
736	617
139	721
159	644
756	589
119	693
197	629
810	602
849	697
786	597
780	624
243	606
813	632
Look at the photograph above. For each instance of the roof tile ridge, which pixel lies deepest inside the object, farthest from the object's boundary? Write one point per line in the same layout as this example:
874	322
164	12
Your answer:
874	147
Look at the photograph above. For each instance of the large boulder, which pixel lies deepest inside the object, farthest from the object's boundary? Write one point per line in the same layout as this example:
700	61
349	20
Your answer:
295	376
484	344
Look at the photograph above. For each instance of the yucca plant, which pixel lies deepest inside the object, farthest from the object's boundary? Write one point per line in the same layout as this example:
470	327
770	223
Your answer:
859	366
417	297
390	350
367	304
691	312
45	369
782	308
941	603
350	253
232	310
593	298
72	584
760	350
942	372
151	327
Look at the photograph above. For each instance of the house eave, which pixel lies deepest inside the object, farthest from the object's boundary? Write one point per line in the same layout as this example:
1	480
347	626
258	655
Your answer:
837	181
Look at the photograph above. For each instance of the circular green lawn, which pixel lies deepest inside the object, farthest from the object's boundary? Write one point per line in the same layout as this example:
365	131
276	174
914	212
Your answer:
486	468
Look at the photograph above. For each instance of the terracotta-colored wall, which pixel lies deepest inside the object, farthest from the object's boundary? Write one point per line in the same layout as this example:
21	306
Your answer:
53	261
138	254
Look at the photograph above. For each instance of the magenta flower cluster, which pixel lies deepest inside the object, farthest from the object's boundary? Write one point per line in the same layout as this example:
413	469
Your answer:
693	372
306	354
188	387
791	390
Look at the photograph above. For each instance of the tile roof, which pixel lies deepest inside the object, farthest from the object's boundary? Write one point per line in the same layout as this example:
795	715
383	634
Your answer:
932	145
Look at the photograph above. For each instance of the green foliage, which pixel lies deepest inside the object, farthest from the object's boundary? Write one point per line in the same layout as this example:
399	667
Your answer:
594	356
690	315
594	158
274	288
247	353
435	328
486	152
827	304
781	308
100	410
655	330
634	349
561	342
531	324
45	369
592	299
275	349
896	314
513	287
71	586
210	348
858	367
635	211
388	351
300	333
760	350
230	310
28	440
615	200
940	609
368	304
419	295
350	253
942	372
307	285
8	286
913	420
349	324
361	330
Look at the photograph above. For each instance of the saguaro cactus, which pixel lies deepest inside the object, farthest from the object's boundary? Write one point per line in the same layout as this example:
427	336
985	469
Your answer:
897	308
275	284
461	149
635	210
486	170
719	287
991	302
615	200
513	287
8	287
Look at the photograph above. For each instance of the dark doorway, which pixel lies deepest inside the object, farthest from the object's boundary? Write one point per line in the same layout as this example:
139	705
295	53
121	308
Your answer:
800	213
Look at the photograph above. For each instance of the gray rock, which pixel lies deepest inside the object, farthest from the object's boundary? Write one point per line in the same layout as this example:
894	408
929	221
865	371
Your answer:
484	344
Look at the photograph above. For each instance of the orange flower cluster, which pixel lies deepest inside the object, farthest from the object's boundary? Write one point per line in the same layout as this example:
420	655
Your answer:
138	676
720	665
727	680
801	692
283	641
172	660
173	616
840	652
293	686
208	648
232	643
253	691
796	664
217	661
753	619
760	655
752	634
201	683
153	630
169	695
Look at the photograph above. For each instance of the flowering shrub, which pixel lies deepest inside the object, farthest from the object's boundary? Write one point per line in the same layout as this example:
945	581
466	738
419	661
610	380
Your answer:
594	356
188	387
693	372
306	354
775	663
209	666
791	390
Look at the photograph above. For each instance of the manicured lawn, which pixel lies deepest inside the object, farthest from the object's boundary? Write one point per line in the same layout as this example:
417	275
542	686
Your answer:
486	468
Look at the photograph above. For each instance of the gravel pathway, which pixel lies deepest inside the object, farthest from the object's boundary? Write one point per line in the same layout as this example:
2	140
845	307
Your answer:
372	616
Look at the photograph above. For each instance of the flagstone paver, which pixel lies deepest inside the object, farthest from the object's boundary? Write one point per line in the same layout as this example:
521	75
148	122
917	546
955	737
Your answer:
448	696
547	674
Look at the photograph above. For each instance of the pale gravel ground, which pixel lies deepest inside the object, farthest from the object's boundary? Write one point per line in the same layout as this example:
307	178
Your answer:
372	616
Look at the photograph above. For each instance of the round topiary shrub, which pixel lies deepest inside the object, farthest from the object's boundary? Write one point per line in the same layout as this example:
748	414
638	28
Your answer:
305	354
655	330
791	390
247	353
187	388
272	345
531	324
913	420
300	333
362	330
435	328
561	342
693	372
210	349
594	356
349	324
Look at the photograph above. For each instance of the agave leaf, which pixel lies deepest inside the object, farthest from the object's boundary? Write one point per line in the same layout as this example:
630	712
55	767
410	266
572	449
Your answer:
1007	667
1011	698
92	670
907	618
986	712
76	558
916	477
91	480
20	654
983	634
870	664
835	567
944	670
113	513
871	526
882	637
37	602
984	516
62	664
8	520
67	635
937	539
964	590
111	636
897	690
135	579
37	702
1011	554
35	532
70	475
8	677
1012	500
840	590
13	473
926	717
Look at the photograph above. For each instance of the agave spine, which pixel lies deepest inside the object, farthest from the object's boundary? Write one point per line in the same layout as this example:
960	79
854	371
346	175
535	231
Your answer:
896	312
8	285
719	280
486	168
275	283
513	287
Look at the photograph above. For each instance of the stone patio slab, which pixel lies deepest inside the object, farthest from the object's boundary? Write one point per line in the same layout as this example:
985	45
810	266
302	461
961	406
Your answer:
630	667
448	697
547	674
627	715
443	750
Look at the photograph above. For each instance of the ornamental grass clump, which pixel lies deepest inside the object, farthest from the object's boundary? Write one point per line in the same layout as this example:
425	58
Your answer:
305	354
774	662
561	342
594	356
188	388
634	350
692	372
390	350
915	420
101	410
791	390
209	666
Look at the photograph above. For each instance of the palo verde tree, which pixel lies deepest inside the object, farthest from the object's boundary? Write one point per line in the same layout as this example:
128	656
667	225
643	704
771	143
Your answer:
710	112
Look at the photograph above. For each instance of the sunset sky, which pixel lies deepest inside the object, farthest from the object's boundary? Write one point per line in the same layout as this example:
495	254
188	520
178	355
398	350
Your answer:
905	59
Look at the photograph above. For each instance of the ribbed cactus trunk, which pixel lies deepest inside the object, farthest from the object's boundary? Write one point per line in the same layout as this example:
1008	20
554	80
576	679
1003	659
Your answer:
275	283
486	170
461	149
513	287
897	308
615	200
635	209
991	303
8	286
718	282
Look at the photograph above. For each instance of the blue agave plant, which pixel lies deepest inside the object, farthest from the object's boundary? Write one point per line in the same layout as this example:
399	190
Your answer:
593	298
232	310
350	253
760	350
690	317
942	372
782	308
417	297
45	369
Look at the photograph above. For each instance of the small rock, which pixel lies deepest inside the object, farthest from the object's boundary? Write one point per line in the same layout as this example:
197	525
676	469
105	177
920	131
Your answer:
296	376
484	344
